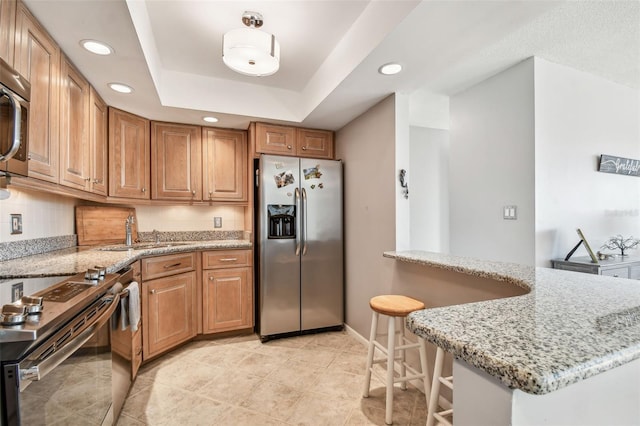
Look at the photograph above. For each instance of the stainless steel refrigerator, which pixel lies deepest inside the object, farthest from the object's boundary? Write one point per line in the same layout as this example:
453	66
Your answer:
300	274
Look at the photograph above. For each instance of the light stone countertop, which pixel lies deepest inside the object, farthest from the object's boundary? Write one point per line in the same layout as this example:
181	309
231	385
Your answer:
71	261
570	326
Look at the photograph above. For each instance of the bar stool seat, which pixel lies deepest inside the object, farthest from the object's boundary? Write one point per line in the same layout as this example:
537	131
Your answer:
395	307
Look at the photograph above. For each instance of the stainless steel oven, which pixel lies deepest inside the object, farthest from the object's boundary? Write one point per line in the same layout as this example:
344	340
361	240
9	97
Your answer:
15	93
57	364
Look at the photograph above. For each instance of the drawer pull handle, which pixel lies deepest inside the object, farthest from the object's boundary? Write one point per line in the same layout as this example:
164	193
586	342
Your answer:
229	259
172	265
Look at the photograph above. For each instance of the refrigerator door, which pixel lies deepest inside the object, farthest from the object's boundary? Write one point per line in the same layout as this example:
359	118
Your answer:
322	266
279	282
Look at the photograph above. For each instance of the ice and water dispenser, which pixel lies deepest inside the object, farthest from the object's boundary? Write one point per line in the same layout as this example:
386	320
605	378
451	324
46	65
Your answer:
282	220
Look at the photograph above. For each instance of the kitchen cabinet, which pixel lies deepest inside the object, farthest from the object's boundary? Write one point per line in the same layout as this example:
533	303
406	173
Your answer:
7	30
75	167
284	140
227	293
224	164
176	162
168	299
129	157
620	267
37	58
98	143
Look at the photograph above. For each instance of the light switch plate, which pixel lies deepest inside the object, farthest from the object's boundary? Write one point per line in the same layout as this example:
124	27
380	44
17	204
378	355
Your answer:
217	222
510	212
16	224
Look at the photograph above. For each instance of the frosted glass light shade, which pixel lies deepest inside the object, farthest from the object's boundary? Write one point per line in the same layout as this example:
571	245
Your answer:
251	52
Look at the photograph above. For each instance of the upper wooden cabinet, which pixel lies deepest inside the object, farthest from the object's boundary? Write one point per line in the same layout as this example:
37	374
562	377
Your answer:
176	167
75	167
191	163
224	164
129	157
7	30
284	140
98	143
37	58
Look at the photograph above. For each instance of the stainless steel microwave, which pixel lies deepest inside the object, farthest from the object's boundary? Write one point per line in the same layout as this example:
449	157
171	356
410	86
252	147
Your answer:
15	93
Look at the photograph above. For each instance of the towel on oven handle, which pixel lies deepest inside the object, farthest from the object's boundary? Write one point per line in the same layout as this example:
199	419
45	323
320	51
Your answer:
130	307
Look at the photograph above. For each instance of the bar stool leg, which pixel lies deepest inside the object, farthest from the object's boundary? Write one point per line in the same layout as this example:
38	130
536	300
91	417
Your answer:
403	354
435	387
391	351
425	371
370	353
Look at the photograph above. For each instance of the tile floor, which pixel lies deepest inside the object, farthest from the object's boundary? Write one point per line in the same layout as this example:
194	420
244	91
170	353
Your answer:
306	380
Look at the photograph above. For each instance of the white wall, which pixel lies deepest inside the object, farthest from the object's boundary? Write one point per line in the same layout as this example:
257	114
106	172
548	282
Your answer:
429	195
579	117
43	215
492	165
189	218
402	156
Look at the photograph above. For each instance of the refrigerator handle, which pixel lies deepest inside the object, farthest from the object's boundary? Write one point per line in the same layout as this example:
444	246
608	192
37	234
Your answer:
296	198
304	218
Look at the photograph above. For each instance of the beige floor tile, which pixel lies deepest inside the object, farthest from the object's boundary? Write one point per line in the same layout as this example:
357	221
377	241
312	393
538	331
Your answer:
340	384
296	375
273	399
125	420
321	410
350	362
315	356
243	417
153	404
231	386
260	364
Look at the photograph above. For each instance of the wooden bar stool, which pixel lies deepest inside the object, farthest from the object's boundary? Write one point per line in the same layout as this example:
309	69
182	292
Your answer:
394	307
442	417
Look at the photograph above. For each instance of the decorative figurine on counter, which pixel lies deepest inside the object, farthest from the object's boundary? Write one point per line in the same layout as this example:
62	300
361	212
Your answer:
620	243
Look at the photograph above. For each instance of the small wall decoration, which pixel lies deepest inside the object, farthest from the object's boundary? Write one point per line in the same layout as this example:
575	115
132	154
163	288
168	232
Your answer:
619	165
620	243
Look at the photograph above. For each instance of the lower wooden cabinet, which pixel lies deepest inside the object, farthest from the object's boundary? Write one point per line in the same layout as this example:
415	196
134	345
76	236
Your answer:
168	303
227	291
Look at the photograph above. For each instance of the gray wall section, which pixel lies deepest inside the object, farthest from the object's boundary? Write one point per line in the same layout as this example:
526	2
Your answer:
492	148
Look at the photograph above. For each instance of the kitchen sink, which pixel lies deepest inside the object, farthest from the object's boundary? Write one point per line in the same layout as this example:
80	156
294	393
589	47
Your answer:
141	246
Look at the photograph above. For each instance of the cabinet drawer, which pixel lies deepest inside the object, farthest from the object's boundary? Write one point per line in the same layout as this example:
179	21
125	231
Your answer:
162	266
225	258
616	272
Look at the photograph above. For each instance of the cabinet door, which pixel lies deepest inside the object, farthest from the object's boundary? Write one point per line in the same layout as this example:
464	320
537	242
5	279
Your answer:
224	164
272	139
128	155
168	312
616	272
37	58
98	143
176	162
314	143
74	128
228	300
7	30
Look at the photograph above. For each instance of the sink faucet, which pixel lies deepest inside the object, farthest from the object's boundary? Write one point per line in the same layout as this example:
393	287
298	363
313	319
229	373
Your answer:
127	229
156	236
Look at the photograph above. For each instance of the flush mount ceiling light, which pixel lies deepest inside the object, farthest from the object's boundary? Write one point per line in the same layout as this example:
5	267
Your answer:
390	68
121	88
210	119
250	51
96	47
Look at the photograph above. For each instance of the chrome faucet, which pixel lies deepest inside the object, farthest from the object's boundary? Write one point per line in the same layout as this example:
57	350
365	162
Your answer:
156	236
127	229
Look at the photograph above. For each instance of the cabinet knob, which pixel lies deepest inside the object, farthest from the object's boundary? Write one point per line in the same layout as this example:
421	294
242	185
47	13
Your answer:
144	189
193	192
96	180
153	291
87	179
288	146
304	148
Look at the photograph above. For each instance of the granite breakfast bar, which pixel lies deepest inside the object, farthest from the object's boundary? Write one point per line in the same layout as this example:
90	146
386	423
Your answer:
566	352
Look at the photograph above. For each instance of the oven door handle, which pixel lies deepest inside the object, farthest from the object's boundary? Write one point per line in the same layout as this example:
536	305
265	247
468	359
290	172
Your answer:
39	371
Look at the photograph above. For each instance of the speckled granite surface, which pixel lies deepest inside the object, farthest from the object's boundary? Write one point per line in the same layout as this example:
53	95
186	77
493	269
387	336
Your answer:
569	327
16	249
73	260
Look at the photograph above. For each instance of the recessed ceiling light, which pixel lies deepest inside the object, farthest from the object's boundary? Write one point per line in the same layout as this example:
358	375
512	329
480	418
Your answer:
390	68
96	47
121	88
210	119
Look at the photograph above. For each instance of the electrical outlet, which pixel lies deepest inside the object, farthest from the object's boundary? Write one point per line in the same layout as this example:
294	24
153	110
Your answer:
217	222
17	291
16	224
